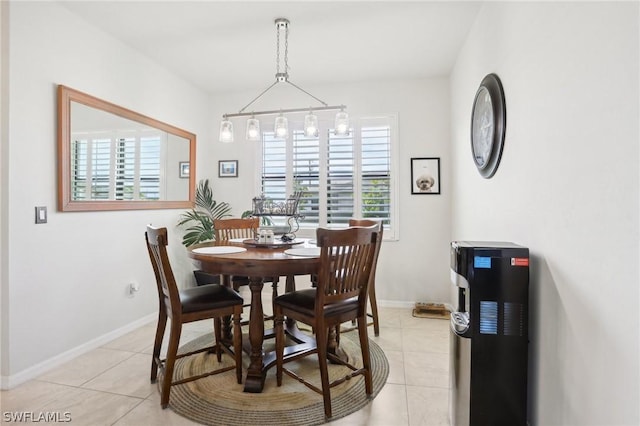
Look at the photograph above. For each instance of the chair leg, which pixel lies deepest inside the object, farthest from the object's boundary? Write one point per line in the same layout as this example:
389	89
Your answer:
172	350
157	345
237	345
278	320
333	340
217	330
274	287
366	357
322	335
374	309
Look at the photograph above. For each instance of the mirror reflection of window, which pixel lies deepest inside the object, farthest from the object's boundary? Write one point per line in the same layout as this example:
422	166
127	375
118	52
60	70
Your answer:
118	167
112	158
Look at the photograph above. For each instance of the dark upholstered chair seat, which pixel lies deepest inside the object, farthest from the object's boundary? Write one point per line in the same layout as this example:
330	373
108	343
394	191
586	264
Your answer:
207	297
304	302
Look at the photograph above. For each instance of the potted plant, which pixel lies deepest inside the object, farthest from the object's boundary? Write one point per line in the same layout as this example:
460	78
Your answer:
200	224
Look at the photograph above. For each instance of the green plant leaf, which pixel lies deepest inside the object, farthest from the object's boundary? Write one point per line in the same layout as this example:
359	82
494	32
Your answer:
264	220
200	219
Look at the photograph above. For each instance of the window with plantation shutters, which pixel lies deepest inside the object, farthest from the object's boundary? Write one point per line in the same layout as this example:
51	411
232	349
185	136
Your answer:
341	180
116	167
376	173
149	167
125	168
306	176
274	167
342	177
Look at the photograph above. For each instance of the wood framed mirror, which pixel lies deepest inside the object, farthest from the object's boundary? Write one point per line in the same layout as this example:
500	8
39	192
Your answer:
112	158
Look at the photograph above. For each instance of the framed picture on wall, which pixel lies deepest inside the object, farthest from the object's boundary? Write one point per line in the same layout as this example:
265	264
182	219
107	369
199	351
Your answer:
425	175
184	169
228	168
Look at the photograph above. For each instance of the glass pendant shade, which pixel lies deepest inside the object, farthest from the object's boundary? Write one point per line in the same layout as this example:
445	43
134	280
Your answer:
281	127
311	125
342	123
226	131
253	129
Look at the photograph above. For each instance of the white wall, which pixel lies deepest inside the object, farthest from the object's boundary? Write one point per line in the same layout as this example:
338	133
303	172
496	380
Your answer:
405	274
65	281
4	146
567	188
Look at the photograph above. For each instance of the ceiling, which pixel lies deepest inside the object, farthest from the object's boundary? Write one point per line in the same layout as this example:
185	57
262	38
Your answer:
227	46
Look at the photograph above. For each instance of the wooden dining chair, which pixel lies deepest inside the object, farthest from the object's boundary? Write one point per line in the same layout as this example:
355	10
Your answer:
212	301
346	262
227	229
373	303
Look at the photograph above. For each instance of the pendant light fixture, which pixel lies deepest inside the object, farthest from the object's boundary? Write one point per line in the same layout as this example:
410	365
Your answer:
311	125
281	124
281	127
342	123
226	130
253	129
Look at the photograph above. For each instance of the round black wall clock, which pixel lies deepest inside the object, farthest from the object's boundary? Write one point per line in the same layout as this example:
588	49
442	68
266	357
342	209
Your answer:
488	124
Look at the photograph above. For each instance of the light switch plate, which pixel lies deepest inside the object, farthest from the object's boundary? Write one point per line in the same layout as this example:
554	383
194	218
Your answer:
41	214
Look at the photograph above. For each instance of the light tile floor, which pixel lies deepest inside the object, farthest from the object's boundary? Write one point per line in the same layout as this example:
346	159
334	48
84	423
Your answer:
110	385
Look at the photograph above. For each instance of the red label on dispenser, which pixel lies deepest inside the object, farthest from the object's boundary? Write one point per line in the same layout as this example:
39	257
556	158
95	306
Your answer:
519	261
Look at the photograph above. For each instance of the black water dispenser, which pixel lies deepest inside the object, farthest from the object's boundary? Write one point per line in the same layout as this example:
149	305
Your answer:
489	334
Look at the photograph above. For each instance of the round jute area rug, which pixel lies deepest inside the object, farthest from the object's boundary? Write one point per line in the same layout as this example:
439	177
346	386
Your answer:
219	400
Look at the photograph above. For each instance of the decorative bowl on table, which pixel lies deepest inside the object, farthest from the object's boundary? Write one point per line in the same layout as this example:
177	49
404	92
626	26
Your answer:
276	243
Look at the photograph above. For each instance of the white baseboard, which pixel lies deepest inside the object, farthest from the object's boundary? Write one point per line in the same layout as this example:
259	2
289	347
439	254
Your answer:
8	382
395	304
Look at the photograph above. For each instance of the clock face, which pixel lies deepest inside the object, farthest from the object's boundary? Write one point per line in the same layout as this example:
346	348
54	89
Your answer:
482	136
488	121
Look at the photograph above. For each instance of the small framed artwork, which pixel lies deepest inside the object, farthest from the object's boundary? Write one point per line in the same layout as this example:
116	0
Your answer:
228	168
425	175
184	169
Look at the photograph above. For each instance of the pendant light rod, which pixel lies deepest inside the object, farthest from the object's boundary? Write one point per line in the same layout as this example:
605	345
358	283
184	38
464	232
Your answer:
258	97
304	91
284	111
286	80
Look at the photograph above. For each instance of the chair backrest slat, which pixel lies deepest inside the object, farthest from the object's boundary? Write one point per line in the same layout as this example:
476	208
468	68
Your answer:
226	229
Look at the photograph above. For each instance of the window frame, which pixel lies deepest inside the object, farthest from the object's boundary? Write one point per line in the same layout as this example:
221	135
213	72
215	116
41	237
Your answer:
392	229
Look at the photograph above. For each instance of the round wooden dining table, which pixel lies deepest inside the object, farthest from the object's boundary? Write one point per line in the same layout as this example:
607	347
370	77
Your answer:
256	263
